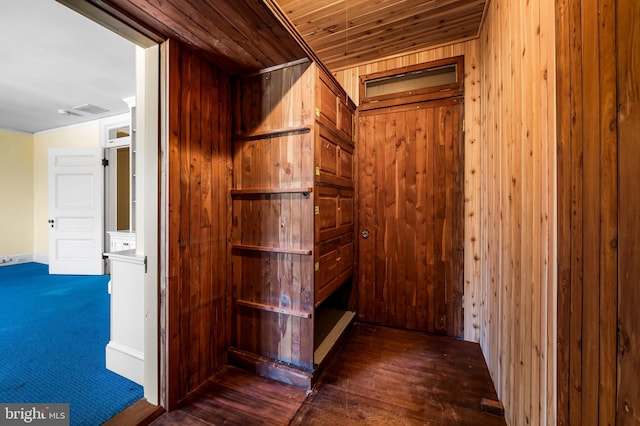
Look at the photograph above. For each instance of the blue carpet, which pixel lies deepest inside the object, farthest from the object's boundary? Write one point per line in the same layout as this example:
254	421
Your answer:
53	333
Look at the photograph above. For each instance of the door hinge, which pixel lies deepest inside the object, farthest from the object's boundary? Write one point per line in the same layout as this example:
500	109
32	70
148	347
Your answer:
105	162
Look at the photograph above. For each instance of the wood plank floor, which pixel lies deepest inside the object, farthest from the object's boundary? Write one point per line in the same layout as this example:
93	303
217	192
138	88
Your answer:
380	376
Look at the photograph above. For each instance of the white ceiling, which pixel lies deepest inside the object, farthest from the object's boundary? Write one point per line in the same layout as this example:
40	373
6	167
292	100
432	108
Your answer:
52	58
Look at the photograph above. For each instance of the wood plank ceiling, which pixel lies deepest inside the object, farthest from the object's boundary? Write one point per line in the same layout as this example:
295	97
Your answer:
237	36
244	35
345	33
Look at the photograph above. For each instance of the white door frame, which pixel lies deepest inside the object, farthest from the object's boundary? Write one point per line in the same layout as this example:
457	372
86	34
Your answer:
147	218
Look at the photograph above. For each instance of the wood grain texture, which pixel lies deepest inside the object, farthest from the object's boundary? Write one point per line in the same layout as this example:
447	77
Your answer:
235	396
199	295
347	33
410	267
628	60
267	101
140	413
238	37
588	210
564	229
292	248
350	80
380	376
517	214
390	376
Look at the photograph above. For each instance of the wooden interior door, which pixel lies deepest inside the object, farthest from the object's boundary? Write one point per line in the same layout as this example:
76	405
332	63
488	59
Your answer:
410	176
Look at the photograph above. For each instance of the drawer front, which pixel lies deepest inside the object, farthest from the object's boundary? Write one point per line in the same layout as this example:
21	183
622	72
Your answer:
334	159
345	257
345	118
334	212
328	103
345	159
327	218
327	268
327	156
334	266
345	209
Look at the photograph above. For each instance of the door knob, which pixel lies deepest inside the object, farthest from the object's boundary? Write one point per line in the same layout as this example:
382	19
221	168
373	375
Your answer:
51	222
365	234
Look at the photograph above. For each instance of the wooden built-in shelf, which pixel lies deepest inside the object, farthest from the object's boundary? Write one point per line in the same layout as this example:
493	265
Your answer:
276	309
273	133
258	191
272	249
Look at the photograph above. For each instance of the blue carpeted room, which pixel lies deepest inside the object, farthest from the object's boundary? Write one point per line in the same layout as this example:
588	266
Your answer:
53	333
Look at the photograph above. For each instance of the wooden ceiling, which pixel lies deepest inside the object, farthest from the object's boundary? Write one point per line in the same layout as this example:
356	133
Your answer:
246	35
344	33
238	36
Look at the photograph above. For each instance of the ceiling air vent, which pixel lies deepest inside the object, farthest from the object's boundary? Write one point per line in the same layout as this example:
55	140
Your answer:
89	109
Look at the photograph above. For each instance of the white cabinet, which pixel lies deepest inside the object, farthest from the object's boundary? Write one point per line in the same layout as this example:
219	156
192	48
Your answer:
125	350
119	241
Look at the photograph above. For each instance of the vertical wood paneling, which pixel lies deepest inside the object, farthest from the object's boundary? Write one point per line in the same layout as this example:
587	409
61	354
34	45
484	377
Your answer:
517	208
588	211
608	256
199	319
628	18
565	190
350	80
510	201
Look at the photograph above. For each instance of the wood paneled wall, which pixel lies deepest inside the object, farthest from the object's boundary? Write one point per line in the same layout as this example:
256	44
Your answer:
350	80
598	219
510	199
628	61
518	195
198	296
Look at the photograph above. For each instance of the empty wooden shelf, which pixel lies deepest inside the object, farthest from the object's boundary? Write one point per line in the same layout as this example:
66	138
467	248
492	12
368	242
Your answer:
292	219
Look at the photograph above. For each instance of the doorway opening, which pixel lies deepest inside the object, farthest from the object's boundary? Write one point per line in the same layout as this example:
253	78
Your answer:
143	154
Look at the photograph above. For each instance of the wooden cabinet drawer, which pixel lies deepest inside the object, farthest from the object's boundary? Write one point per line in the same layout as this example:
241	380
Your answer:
334	212
327	266
345	121
327	102
334	159
335	109
334	266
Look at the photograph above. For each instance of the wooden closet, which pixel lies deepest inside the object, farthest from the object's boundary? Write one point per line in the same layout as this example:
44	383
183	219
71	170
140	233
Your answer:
292	220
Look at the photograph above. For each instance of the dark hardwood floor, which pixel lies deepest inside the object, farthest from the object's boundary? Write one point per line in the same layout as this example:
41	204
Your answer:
380	376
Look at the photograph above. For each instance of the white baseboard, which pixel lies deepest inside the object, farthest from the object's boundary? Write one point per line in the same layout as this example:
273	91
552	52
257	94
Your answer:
16	259
41	258
125	361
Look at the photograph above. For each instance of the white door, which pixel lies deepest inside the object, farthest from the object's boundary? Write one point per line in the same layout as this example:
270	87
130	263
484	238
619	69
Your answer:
76	198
